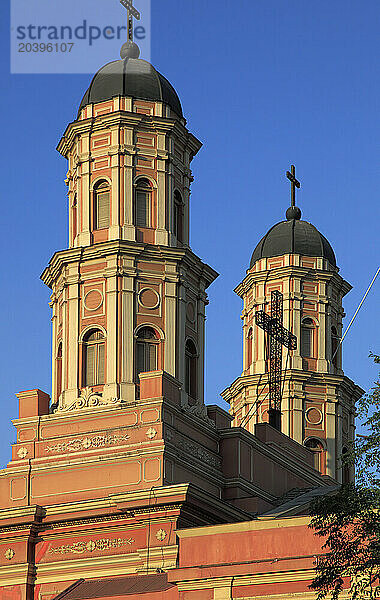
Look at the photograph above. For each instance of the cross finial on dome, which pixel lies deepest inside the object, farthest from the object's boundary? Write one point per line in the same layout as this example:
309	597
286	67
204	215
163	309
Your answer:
293	212
130	49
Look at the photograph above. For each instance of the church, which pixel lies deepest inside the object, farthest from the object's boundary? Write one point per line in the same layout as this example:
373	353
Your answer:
125	484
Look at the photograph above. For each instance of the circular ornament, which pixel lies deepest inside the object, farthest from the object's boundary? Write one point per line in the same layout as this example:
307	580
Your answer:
9	554
93	300
314	416
151	433
161	535
22	452
149	298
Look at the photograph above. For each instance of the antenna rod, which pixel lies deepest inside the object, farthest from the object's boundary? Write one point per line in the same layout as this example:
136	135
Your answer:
356	312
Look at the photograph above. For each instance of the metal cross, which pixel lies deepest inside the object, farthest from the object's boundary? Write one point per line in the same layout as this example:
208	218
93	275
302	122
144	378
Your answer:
278	337
295	183
131	12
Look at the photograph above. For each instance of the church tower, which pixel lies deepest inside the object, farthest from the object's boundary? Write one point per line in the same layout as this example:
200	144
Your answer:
128	295
318	400
112	477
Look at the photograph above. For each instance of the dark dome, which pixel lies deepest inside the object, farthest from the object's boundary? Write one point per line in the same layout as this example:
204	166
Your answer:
131	77
293	237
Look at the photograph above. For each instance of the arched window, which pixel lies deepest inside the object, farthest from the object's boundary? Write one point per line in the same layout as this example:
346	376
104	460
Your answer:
143	201
249	347
59	372
316	447
346	478
191	369
307	338
178	216
101	205
334	346
146	351
93	358
74	217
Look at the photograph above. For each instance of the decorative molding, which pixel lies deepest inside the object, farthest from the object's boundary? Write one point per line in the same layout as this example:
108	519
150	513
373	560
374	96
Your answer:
9	553
101	545
88	399
22	452
198	410
97	441
194	449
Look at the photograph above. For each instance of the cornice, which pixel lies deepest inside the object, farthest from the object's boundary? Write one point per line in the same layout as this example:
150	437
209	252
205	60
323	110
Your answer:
125	118
291	271
312	377
143	252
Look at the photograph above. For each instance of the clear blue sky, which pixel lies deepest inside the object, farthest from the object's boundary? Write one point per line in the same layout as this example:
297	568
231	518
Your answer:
263	84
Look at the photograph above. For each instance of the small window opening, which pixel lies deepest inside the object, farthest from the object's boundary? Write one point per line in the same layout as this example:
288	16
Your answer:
307	338
101	205
93	358
143	195
146	351
191	369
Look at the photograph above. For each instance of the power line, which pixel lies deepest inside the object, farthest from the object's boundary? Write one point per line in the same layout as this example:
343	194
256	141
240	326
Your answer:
356	312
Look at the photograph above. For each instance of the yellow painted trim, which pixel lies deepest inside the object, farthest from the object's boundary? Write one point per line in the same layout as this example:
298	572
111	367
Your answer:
258	525
107	566
266	578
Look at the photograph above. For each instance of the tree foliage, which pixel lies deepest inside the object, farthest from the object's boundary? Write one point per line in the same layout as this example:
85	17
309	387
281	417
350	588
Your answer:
349	521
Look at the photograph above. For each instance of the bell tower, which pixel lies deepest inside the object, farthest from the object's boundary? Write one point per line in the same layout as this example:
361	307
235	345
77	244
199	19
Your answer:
318	400
128	295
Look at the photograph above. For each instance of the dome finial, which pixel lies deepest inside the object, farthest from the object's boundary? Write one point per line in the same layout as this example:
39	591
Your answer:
293	211
130	49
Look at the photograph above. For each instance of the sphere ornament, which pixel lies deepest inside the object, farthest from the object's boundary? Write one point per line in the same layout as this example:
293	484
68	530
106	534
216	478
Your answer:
130	50
293	212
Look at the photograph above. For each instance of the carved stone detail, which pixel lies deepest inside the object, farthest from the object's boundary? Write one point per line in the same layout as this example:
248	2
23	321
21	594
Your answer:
9	553
22	452
151	433
101	545
161	535
192	448
198	410
97	441
88	399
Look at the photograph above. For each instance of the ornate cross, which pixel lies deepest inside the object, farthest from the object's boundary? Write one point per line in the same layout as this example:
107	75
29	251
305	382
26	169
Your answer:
278	337
291	175
131	12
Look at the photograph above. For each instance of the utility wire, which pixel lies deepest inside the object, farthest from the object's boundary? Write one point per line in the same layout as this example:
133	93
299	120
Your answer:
257	399
356	312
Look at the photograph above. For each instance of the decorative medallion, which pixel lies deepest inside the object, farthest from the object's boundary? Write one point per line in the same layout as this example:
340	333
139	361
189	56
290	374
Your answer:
161	535
9	554
97	441
92	545
93	300
151	433
22	452
314	416
169	435
149	298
